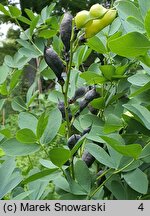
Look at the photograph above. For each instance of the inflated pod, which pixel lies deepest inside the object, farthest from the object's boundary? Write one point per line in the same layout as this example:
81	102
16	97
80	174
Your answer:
99	24
73	140
83	104
54	62
66	30
80	92
91	94
88	158
61	107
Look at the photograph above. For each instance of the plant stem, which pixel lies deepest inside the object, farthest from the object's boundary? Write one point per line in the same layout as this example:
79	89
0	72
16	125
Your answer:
28	37
30	161
115	172
65	91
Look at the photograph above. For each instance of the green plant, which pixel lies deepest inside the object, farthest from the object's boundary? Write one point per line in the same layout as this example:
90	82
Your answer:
101	111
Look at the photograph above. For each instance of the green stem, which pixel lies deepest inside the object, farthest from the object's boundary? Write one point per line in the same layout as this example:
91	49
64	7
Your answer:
28	37
44	149
30	161
115	172
65	92
104	173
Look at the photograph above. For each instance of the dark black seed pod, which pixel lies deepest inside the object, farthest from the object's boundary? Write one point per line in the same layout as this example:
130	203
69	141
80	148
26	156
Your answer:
61	107
80	92
91	94
88	158
66	29
73	140
102	179
82	104
93	110
87	130
54	62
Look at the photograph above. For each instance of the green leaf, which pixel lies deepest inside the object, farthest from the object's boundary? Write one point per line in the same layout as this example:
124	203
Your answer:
62	183
137	180
8	60
42	122
118	190
12	147
53	125
15	79
23	195
145	155
47	163
144	88
9	178
14	11
2	102
108	71
133	150
139	79
76	189
39	175
132	44
136	23
92	78
126	8
24	20
78	145
59	156
141	113
6	132
95	44
98	103
144	7
100	154
113	123
81	55
4	71
18	104
55	96
26	136
30	13
3	88
147	27
47	33
82	175
32	98
33	25
4	10
27	120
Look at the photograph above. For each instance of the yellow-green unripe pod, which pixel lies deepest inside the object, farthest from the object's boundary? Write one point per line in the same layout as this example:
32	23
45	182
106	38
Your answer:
98	24
82	18
97	10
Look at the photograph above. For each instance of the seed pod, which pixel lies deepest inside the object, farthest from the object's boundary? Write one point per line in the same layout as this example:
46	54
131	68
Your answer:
82	18
97	10
88	158
93	110
66	29
91	94
99	181
73	140
98	24
82	104
80	92
54	62
87	130
61	107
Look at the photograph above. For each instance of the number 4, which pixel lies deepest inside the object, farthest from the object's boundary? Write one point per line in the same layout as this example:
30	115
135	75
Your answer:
141	207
